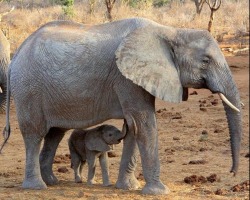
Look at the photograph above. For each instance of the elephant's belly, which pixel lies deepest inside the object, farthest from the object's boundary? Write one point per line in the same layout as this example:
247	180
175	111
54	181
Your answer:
82	112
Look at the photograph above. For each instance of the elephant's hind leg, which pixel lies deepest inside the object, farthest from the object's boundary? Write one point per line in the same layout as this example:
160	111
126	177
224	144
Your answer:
33	179
51	142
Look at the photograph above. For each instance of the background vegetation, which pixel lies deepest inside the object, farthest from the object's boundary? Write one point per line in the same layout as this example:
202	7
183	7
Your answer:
232	19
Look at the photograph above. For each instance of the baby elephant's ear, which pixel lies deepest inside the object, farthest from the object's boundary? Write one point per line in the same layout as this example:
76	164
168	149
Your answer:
95	142
146	58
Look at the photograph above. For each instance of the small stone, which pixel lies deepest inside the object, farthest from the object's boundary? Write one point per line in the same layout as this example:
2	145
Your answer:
221	192
177	116
203	109
204	136
218	130
140	176
212	178
170	160
203	101
203	149
193	93
236	188
197	162
112	154
176	138
244	186
195	179
215	102
68	155
62	169
80	194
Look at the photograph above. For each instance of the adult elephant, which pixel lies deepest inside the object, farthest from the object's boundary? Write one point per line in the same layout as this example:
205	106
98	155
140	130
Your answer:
4	62
67	75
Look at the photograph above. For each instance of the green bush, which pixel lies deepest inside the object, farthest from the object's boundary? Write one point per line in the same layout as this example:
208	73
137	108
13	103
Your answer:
146	3
160	3
67	7
139	3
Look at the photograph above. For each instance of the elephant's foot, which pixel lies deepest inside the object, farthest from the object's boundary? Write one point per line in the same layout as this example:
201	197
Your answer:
49	178
155	188
128	183
34	183
78	179
106	184
91	182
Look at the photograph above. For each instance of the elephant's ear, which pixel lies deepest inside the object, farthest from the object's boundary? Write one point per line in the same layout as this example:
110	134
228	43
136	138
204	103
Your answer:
146	58
94	141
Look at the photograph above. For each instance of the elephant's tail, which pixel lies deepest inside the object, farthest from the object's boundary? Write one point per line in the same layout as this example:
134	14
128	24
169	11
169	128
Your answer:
3	85
6	131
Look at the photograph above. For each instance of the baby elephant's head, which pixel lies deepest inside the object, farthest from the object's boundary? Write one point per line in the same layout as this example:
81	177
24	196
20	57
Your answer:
111	134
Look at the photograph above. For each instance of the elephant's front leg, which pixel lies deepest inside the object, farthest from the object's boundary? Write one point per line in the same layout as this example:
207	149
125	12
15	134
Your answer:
105	168
91	160
126	178
147	140
51	142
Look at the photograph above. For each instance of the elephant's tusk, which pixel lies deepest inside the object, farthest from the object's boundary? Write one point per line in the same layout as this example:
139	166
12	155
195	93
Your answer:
242	104
223	98
1	91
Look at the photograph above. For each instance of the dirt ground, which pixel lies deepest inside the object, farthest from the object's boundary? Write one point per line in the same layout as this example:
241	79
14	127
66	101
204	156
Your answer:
194	153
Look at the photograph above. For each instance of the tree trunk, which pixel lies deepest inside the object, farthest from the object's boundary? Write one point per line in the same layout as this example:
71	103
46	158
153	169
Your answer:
210	23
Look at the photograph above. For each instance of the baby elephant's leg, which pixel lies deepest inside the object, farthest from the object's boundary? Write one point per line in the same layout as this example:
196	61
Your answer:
105	168
91	159
76	165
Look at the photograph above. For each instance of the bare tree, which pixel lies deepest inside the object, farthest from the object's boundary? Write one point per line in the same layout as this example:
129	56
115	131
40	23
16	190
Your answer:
214	5
92	4
109	5
5	13
199	5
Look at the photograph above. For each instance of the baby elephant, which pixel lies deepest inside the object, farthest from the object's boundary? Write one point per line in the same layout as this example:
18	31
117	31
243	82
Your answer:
88	145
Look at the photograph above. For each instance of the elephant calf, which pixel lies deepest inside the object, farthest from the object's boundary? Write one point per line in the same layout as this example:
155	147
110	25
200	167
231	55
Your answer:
88	145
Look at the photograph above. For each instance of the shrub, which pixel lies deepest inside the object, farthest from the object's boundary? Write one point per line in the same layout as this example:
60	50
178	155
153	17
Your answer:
160	3
67	7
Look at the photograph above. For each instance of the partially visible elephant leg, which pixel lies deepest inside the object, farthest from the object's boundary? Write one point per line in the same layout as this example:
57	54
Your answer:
126	178
51	142
147	140
33	179
91	160
139	112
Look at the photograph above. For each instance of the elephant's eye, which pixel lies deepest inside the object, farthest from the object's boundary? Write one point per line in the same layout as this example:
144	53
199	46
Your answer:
110	135
206	60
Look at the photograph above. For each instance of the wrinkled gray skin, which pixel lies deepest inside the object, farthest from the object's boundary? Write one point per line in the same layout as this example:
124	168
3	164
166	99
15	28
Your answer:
88	145
68	75
4	62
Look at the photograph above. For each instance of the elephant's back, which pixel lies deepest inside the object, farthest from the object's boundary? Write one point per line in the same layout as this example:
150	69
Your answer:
64	54
61	40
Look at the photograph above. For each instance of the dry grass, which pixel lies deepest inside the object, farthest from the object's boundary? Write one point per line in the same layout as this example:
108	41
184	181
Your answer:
231	18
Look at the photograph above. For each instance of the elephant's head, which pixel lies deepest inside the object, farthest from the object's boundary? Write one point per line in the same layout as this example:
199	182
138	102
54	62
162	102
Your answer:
165	61
4	62
102	137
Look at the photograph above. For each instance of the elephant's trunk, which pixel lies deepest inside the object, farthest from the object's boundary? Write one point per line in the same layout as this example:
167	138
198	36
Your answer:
221	81
234	117
235	127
